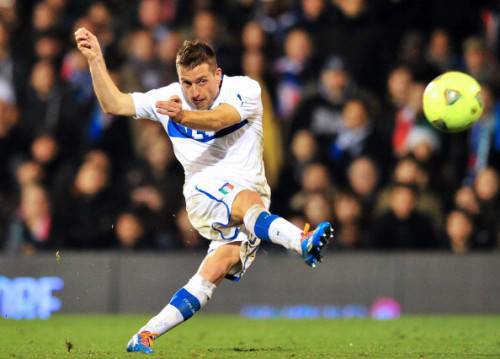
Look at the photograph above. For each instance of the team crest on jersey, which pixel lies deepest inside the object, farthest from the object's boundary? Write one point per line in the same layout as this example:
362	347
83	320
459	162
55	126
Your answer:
226	188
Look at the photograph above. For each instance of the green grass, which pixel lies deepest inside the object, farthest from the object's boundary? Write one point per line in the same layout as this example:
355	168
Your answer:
211	336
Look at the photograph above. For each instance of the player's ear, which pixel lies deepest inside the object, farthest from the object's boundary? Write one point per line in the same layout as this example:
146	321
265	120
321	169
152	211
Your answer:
218	73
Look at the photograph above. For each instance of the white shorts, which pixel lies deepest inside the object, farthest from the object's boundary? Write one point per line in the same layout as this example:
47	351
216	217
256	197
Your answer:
208	205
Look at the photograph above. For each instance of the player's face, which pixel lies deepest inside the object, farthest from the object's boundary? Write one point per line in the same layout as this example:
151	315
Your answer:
200	85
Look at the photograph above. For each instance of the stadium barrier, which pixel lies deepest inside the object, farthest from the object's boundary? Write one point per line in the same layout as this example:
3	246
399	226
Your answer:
120	283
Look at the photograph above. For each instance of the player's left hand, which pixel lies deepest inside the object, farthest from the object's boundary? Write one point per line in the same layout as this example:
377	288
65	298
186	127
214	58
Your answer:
171	108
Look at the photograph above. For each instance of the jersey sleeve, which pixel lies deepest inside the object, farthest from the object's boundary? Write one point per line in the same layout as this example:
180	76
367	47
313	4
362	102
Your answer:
144	102
245	98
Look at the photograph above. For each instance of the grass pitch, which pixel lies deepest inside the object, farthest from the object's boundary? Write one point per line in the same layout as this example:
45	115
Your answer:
220	336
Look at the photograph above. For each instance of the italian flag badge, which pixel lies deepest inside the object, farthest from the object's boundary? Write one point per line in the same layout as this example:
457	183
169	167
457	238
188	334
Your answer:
228	187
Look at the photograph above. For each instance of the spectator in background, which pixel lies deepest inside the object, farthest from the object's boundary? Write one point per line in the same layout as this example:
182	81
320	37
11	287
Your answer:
487	189
398	83
45	152
166	52
9	136
406	118
402	226
317	209
32	228
477	61
412	54
49	108
293	72
142	71
89	209
364	180
349	221
357	136
484	137
315	179
206	29
357	36
152	18
439	52
459	232
320	112
409	172
303	151
13	68
131	233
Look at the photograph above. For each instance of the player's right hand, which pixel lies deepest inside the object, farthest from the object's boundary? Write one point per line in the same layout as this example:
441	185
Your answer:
87	43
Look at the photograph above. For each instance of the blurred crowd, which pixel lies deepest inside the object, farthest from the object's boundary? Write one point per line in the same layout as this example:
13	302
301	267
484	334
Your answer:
345	136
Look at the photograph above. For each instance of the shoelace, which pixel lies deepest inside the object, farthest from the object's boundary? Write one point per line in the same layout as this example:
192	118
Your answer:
147	338
306	232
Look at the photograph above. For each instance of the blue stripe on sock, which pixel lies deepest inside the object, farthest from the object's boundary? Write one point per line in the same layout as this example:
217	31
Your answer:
262	224
187	303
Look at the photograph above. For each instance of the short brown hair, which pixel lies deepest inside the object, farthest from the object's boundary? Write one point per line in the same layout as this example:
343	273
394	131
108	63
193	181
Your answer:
193	53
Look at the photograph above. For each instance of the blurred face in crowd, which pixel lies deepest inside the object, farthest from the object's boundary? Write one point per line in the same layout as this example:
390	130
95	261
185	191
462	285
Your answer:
402	201
312	8
363	176
466	199
47	48
407	171
93	174
315	178
8	118
398	85
354	114
143	46
129	230
459	228
28	172
150	13
439	46
317	209
347	208
200	85
351	8
44	17
34	202
99	15
168	47
474	55
44	149
304	147
42	78
334	82
205	27
159	154
252	36
253	64
486	184
4	36
298	46
415	95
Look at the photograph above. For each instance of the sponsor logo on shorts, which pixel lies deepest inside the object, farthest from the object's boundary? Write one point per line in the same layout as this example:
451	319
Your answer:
226	188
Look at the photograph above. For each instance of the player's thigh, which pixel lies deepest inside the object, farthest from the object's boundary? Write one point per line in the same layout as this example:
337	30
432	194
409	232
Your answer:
243	202
218	263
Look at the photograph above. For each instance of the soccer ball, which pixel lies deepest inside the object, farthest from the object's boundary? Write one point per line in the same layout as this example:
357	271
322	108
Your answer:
452	101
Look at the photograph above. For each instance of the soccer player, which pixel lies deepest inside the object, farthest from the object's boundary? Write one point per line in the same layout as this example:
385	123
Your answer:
215	124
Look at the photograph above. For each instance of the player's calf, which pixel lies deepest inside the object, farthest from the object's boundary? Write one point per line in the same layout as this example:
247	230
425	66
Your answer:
272	228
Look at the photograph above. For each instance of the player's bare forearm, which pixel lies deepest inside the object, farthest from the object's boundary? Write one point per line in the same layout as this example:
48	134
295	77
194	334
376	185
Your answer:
216	119
111	99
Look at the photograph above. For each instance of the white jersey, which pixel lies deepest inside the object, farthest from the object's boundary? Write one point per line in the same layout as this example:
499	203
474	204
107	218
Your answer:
231	154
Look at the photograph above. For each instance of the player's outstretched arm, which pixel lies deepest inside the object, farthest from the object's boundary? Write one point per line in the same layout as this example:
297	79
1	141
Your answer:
111	99
216	119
